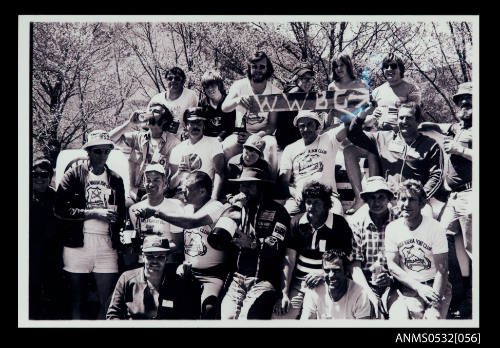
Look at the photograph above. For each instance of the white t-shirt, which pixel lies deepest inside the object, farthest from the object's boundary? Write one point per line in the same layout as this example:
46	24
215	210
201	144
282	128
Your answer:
187	99
97	193
387	98
154	225
416	248
255	122
196	248
315	161
353	305
201	154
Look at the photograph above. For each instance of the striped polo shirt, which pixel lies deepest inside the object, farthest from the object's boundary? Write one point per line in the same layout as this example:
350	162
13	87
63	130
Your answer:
310	243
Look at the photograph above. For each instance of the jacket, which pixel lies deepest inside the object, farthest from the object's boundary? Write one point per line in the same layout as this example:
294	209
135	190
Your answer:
70	205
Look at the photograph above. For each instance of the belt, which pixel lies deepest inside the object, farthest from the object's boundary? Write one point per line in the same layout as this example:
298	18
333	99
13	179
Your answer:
463	187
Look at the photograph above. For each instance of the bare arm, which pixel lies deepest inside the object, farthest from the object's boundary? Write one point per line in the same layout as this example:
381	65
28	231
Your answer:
185	221
232	100
218	176
288	267
440	280
116	133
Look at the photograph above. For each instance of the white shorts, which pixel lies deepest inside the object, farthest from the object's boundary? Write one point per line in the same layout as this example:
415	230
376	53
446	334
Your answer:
96	256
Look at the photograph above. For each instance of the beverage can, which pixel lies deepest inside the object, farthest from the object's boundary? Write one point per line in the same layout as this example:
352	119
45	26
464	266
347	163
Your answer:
127	236
145	116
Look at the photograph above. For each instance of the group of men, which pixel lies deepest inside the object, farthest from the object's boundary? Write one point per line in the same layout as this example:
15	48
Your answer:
214	227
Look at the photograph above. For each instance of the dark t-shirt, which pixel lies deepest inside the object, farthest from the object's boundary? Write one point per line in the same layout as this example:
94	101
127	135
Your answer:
286	132
219	124
460	168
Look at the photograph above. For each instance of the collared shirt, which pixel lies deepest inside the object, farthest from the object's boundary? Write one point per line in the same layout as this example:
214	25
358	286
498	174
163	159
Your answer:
368	239
142	153
311	243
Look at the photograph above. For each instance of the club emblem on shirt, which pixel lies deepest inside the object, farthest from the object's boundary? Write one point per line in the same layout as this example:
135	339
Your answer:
94	195
195	162
309	163
216	121
414	259
193	244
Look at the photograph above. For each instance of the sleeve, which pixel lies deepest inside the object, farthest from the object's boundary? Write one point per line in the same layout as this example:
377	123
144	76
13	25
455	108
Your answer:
389	243
332	136
440	243
66	197
309	310
358	137
434	160
214	210
130	139
286	160
122	210
117	308
414	94
175	206
234	90
216	147
361	308
175	156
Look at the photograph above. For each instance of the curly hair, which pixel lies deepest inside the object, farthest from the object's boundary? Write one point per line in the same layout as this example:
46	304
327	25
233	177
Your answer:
256	57
166	116
316	189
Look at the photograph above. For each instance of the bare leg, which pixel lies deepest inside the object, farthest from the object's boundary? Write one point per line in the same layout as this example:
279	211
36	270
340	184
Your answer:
352	155
105	283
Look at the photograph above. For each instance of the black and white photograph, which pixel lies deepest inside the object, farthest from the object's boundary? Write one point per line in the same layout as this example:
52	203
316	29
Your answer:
248	171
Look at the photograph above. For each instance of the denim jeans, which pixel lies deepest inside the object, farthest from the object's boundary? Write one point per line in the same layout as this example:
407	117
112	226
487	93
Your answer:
248	298
457	217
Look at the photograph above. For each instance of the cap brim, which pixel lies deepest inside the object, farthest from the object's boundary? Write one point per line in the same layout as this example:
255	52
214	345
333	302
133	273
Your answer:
150	250
99	143
249	180
194	118
364	193
254	148
456	97
303	71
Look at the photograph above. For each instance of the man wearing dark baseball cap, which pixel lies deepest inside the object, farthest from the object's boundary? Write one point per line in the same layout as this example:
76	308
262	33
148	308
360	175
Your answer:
151	293
457	214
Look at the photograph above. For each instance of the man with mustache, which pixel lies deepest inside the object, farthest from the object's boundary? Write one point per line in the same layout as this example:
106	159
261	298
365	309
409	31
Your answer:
338	297
198	152
417	256
258	81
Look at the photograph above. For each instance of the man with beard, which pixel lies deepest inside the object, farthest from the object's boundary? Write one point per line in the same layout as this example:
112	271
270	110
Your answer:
404	152
338	297
417	256
150	292
198	152
258	81
176	98
457	214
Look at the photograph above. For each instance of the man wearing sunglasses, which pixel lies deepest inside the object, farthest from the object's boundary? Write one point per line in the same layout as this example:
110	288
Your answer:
176	98
90	204
150	292
394	90
457	214
147	146
258	81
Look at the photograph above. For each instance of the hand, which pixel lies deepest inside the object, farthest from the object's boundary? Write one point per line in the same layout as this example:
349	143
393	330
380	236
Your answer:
451	147
144	213
108	215
180	270
297	300
432	313
240	199
244	101
382	280
366	112
376	302
370	121
282	305
242	137
220	140
134	116
427	293
313	280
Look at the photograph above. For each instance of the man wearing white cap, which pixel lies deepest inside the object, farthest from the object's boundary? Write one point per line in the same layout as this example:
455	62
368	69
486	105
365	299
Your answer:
198	152
155	180
90	203
311	158
150	292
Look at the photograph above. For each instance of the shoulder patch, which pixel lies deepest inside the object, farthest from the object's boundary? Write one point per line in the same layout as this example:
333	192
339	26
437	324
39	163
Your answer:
279	231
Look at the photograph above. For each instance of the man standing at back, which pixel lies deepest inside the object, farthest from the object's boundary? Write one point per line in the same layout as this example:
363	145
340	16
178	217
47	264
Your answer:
258	81
176	98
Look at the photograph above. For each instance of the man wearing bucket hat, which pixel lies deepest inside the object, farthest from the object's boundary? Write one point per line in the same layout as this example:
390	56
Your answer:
369	266
152	145
90	203
311	158
198	152
252	156
457	214
257	227
150	292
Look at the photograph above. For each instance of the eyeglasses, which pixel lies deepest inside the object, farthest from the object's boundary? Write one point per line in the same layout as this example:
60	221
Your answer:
174	78
101	151
43	175
260	67
393	66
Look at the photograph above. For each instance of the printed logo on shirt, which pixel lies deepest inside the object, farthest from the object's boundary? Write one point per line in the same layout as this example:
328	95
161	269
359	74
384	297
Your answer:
193	244
308	163
216	121
414	258
193	161
96	194
267	215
